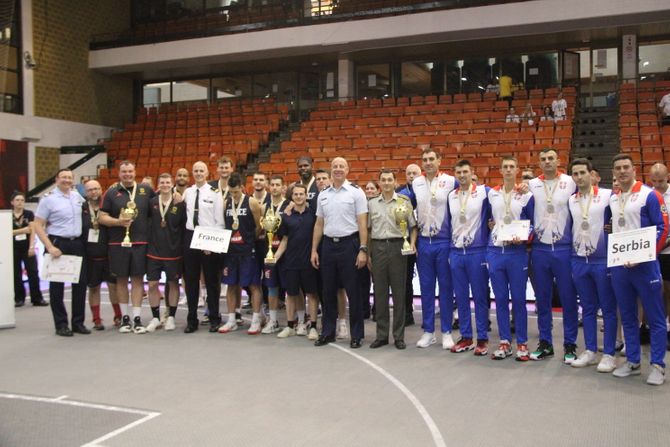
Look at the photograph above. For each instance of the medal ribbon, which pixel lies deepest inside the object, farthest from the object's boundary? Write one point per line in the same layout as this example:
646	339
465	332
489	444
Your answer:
464	203
163	208
236	219
585	209
131	195
549	194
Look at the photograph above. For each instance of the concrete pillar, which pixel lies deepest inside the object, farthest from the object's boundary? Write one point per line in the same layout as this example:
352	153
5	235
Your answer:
346	78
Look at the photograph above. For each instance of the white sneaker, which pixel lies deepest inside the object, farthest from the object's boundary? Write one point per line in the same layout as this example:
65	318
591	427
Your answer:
586	358
313	334
656	375
286	332
447	341
255	328
182	301
270	327
627	369
170	324
427	339
342	330
154	324
230	326
201	302
301	329
607	364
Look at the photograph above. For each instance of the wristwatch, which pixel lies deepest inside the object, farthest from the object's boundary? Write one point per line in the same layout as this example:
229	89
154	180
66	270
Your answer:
363	248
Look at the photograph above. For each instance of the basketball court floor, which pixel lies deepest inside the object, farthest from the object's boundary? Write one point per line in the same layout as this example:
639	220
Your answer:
173	389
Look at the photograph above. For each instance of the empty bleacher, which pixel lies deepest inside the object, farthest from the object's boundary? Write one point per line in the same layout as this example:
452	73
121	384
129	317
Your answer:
387	133
176	135
640	132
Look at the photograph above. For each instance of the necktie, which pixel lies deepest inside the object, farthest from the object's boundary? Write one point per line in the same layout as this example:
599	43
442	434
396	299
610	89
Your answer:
195	210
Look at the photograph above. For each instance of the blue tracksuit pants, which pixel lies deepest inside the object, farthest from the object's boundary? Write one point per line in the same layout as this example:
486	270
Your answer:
509	275
643	281
432	263
593	282
469	272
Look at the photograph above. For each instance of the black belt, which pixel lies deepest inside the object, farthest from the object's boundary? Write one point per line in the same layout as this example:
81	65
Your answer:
391	239
341	238
51	236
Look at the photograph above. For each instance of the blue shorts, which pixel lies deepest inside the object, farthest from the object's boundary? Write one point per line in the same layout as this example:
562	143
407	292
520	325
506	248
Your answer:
243	271
271	276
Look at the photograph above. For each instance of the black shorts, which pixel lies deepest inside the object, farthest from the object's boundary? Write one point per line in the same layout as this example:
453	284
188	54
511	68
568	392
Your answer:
664	261
296	280
127	261
171	267
97	271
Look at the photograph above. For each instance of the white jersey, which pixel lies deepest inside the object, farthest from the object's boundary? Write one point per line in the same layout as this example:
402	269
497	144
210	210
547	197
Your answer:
431	205
520	208
588	234
470	213
552	219
666	198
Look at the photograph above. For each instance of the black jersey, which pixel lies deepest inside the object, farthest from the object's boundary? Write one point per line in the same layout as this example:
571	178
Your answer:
166	239
23	221
244	236
116	198
96	240
312	193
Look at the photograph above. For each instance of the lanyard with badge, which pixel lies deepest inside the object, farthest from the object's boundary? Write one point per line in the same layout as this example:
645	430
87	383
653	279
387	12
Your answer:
18	223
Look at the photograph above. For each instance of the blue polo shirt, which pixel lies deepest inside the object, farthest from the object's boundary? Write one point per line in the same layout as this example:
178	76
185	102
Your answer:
340	208
62	213
299	228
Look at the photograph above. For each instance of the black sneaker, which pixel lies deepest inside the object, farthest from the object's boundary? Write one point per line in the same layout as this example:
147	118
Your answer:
138	326
544	350
570	353
125	327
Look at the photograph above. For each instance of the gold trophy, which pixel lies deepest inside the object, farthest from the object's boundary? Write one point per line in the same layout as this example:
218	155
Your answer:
129	212
270	223
401	213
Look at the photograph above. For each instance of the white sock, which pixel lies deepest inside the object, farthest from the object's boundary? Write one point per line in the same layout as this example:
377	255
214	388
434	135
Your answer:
124	308
273	315
231	317
301	316
137	311
238	310
256	317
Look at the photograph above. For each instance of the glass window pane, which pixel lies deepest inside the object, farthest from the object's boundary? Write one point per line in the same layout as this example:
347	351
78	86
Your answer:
654	59
280	86
195	90
232	86
416	78
156	93
373	81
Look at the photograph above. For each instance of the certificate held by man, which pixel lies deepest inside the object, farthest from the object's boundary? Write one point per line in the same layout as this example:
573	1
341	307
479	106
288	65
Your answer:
631	247
64	268
516	230
212	239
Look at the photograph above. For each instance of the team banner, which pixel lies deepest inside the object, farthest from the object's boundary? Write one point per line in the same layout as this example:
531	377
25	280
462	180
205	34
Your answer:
211	239
65	268
632	246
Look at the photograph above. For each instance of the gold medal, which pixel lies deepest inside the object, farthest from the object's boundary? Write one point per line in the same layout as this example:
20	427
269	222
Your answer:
131	205
236	225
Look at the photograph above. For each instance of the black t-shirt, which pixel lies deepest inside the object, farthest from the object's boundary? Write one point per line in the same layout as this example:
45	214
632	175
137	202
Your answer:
299	228
22	222
95	250
116	198
243	238
166	243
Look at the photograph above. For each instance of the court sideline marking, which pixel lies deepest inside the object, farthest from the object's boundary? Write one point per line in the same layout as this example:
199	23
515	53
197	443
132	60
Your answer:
147	415
432	426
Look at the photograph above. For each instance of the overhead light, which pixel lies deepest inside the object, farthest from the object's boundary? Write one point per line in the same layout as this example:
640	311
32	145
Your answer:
480	87
642	78
645	63
464	79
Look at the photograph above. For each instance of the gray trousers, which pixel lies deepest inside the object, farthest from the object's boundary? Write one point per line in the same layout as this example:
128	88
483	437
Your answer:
389	268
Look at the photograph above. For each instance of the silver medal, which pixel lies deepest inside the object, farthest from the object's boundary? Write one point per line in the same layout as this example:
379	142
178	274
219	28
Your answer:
550	208
433	201
622	222
585	225
462	219
507	220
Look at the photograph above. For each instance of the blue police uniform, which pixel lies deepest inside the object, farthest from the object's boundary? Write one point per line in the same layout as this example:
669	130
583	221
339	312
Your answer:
508	263
340	208
641	207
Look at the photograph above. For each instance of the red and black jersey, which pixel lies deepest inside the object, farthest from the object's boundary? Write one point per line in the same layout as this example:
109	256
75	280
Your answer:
166	240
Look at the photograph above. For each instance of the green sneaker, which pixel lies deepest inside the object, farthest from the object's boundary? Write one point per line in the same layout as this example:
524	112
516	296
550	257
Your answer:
544	350
570	353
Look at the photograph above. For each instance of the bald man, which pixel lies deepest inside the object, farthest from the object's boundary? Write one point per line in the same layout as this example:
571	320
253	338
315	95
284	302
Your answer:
412	171
659	180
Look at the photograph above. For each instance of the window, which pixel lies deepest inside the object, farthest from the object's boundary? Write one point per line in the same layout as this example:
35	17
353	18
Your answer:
374	81
10	61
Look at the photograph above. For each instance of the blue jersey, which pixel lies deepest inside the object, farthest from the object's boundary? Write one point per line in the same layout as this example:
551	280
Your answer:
244	236
589	215
470	214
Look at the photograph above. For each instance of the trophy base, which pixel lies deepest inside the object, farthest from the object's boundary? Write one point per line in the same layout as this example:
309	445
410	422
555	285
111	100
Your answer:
407	252
126	244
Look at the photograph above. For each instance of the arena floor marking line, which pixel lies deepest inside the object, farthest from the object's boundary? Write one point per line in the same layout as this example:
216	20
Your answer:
147	415
432	427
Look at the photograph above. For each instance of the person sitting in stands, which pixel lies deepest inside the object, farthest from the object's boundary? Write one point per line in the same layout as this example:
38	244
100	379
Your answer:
512	117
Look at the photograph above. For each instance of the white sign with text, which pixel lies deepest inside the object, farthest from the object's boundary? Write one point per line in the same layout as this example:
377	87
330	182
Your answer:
211	239
632	246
